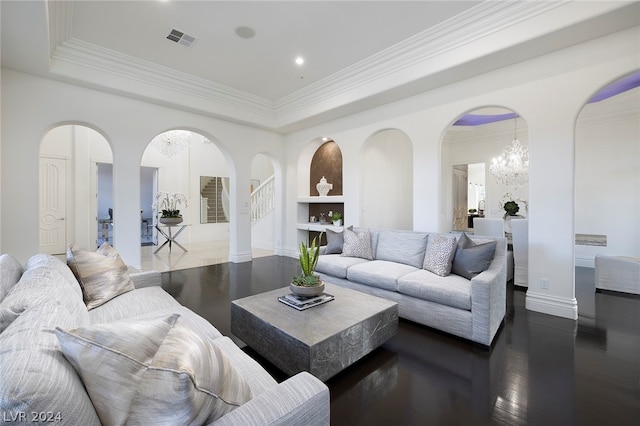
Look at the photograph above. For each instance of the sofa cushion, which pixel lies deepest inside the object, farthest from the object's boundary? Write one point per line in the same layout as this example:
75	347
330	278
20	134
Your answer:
133	303
402	247
10	273
453	290
102	274
337	265
379	273
153	371
42	282
36	377
472	258
439	254
357	244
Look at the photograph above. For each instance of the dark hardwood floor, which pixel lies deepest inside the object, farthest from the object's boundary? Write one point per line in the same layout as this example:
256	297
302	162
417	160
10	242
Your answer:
542	370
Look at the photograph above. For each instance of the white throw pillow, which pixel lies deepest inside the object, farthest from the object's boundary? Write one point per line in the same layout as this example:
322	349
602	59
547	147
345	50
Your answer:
153	371
439	255
102	274
357	244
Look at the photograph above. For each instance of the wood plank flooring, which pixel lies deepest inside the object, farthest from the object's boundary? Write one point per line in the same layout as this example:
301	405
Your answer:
542	370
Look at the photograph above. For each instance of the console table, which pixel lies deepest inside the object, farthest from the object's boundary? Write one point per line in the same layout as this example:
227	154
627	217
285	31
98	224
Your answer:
171	237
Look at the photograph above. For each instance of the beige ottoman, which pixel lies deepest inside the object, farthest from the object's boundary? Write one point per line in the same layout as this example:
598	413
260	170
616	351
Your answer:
618	273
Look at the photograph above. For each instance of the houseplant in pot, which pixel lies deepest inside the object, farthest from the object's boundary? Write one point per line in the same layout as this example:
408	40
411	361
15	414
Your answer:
511	208
337	219
308	283
168	205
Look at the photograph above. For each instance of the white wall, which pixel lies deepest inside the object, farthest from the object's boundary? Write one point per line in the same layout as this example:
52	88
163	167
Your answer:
32	106
532	90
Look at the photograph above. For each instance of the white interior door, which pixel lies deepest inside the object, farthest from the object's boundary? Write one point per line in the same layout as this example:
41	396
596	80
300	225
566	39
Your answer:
53	205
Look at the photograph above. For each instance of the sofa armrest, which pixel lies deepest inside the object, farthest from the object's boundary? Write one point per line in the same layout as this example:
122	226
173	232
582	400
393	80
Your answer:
489	297
146	279
300	400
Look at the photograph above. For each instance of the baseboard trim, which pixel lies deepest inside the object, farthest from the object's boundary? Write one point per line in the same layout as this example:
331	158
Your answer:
586	261
240	257
552	305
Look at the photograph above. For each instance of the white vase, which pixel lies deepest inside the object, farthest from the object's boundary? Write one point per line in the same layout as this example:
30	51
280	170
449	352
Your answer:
324	187
337	222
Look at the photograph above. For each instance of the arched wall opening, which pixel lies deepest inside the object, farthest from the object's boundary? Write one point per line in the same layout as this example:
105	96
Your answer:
607	172
72	159
188	164
386	181
469	145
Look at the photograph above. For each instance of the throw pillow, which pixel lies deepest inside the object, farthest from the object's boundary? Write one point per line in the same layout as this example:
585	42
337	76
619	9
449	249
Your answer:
102	275
439	254
472	258
357	244
335	241
153	371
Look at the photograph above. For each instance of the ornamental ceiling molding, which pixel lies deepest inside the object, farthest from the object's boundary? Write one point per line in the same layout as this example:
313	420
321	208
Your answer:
486	19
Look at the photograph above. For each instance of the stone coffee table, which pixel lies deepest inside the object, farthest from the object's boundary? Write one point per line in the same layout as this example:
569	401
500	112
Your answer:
322	340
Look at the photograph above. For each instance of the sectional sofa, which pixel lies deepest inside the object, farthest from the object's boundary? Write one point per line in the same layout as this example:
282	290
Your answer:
74	353
451	282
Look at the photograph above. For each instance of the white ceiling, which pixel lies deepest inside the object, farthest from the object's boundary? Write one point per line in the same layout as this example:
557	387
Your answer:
358	53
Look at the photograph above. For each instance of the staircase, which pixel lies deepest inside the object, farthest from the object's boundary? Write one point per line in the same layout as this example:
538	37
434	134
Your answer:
263	200
214	191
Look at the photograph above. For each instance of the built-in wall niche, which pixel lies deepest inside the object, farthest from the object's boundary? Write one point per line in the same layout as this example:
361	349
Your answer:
327	163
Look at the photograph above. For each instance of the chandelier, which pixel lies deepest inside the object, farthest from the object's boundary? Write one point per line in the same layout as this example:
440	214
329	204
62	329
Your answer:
171	143
512	167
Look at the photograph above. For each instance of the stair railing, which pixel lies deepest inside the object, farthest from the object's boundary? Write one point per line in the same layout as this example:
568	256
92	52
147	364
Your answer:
263	199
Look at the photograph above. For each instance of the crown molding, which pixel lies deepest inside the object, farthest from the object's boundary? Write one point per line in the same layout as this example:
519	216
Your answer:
485	29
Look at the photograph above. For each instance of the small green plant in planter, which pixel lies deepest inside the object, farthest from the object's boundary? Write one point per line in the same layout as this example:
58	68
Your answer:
472	211
308	283
511	208
337	218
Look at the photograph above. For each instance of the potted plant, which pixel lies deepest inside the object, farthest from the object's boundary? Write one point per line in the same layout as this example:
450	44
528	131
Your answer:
308	283
511	208
337	219
168	204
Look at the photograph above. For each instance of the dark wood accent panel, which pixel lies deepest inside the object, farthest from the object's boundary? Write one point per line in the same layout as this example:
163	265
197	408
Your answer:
316	209
327	162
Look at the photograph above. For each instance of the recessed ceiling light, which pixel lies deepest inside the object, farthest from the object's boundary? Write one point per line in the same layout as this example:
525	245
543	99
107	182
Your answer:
245	32
299	60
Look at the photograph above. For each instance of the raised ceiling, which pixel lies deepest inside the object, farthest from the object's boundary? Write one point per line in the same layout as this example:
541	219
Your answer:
358	54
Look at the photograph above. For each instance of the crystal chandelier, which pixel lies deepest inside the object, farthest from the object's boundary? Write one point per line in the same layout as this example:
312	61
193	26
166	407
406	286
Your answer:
171	143
512	167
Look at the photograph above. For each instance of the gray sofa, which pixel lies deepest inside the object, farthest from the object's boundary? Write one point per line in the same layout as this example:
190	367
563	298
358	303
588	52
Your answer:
39	383
473	309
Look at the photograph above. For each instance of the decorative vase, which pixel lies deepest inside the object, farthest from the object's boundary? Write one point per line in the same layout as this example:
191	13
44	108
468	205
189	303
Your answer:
307	291
324	187
171	220
337	222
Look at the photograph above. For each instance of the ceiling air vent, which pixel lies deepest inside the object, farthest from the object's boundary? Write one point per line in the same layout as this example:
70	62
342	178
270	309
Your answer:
181	38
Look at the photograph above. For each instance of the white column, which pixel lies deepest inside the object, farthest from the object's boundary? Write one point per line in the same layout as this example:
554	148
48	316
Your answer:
126	202
240	206
551	214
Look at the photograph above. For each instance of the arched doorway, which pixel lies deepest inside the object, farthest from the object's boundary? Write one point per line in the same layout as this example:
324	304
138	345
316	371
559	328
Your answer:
607	172
469	147
191	165
70	209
